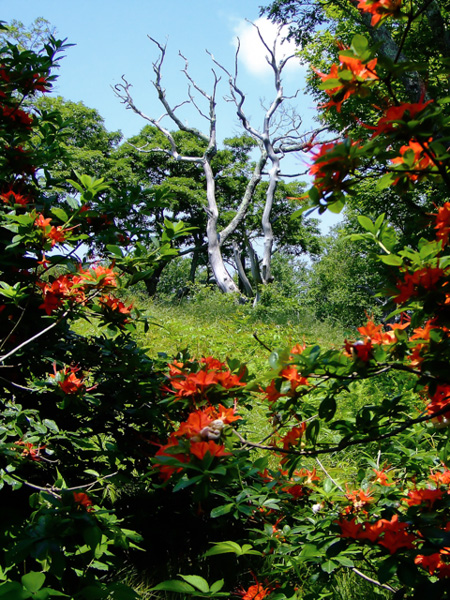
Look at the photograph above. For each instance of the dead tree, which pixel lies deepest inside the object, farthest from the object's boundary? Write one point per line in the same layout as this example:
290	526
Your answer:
274	141
278	136
222	277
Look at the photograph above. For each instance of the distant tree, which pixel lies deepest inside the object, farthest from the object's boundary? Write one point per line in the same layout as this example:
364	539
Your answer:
29	37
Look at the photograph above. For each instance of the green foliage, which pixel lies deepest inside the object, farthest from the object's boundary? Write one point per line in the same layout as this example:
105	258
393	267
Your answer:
329	463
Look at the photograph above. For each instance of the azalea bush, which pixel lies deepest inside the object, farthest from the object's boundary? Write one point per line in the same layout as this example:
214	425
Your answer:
74	409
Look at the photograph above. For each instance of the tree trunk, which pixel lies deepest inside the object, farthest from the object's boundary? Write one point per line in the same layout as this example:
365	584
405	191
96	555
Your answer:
241	270
221	275
152	283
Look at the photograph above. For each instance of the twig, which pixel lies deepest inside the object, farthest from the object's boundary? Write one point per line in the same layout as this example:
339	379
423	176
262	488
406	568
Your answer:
385	586
35	337
255	335
329	476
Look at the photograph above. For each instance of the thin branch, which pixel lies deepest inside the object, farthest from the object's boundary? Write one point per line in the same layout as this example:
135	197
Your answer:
35	337
385	586
329	476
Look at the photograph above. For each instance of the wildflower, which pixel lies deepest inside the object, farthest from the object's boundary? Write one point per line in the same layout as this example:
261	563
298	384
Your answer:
359	350
441	477
381	477
415	159
200	449
350	529
255	592
67	380
425	496
18	116
351	76
12	197
380	9
359	498
40	221
389	123
82	500
294	436
443	223
333	162
56	235
30	451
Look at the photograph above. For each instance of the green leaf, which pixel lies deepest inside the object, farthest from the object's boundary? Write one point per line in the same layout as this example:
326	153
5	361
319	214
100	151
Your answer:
330	84
11	590
366	223
218	511
327	408
387	569
224	548
116	250
185	482
336	206
50	425
33	581
173	585
216	586
359	44
391	259
60	214
312	431
329	566
385	181
198	582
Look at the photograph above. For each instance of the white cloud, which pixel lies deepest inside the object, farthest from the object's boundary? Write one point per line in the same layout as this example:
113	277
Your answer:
252	52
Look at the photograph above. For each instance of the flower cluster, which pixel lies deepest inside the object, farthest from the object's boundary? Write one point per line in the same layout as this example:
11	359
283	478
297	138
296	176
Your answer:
195	437
351	76
74	287
380	9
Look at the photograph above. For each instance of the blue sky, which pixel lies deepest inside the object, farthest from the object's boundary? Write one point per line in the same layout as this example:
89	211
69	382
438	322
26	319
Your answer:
111	40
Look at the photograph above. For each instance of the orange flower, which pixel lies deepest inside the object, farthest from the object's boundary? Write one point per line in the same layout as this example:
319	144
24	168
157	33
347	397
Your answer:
422	160
443	223
292	375
255	592
380	9
437	562
11	197
425	279
426	496
359	350
333	162
194	383
41	222
294	436
101	276
441	477
172	450
115	305
199	449
82	500
30	451
67	380
381	478
64	287
389	122
394	540
271	392
57	235
352	76
359	498
350	529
